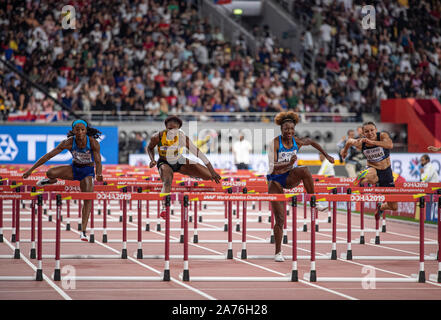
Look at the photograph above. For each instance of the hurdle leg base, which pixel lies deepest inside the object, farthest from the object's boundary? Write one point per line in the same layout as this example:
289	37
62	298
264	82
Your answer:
108	212
120	218
316	228
305	228
139	254
295	276
225	227
377	240
158	227
57	275
99	212
195	238
439	276
1	238
334	255
285	239
349	255
243	255
200	218
17	254
313	276
237	227
45	211
68	227
362	240
147	227
269	219
272	239
104	238
329	219
33	254
422	277
181	239
39	275
50	218
172	212
205	206
130	219
186	275
92	238
259	219
13	238
190	219
383	228
230	254
234	212
166	275
79	227
124	254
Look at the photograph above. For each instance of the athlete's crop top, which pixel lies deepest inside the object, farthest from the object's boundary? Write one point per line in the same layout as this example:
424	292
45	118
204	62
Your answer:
82	156
375	153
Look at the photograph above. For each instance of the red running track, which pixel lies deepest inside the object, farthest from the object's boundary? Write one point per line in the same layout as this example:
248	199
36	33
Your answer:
213	219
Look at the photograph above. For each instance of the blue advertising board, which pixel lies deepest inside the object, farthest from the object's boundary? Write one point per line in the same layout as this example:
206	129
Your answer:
26	144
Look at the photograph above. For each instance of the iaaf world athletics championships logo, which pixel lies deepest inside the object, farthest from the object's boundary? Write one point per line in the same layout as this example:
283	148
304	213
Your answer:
414	169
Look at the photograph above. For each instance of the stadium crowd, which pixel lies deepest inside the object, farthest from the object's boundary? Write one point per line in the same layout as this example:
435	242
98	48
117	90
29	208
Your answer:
400	58
160	57
153	56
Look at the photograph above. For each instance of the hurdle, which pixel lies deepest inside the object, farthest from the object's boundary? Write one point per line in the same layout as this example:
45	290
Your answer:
15	223
437	277
312	276
93	196
17	255
293	277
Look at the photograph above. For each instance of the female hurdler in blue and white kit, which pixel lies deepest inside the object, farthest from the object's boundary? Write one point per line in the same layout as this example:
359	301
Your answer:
283	170
85	149
376	148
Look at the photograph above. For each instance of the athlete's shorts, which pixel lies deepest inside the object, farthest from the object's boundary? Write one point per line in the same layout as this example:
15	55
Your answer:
280	178
175	166
79	173
385	178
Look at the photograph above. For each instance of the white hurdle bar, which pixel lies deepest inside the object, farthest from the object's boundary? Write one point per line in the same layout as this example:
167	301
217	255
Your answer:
110	278
414	278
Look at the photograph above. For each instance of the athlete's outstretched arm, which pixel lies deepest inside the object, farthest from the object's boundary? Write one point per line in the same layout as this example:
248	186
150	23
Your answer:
385	141
154	141
350	143
97	158
198	153
434	149
65	144
312	143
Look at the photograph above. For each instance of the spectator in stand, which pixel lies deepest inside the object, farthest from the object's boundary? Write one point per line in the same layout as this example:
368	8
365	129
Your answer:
427	170
241	152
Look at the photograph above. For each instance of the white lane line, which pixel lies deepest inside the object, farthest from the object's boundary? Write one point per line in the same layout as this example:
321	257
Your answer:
255	265
350	261
265	268
151	268
47	279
